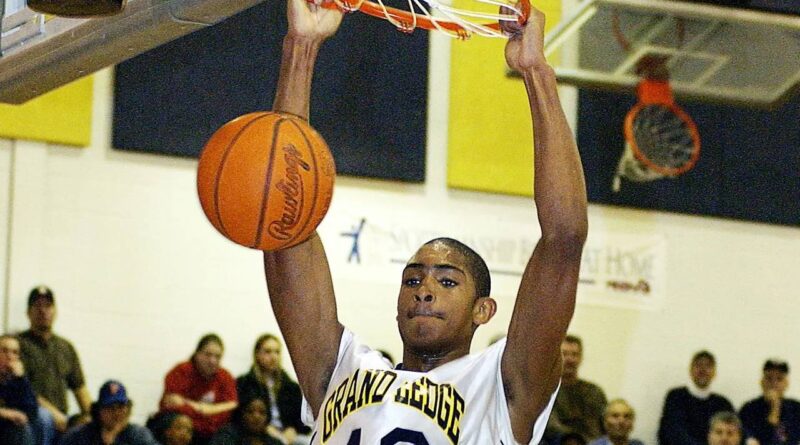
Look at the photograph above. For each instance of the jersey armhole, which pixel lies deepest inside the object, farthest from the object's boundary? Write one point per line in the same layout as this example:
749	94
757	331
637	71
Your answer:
306	415
504	415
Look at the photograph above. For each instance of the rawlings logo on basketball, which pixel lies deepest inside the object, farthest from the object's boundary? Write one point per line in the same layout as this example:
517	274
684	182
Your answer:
291	186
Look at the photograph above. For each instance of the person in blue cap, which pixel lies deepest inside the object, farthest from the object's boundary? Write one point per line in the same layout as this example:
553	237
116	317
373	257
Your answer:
110	423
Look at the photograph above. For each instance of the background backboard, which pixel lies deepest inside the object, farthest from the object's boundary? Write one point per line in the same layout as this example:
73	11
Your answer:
715	54
39	55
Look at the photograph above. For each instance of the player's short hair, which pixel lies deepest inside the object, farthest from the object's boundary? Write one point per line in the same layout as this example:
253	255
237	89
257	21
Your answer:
618	402
728	417
704	354
574	339
776	364
475	264
263	339
209	338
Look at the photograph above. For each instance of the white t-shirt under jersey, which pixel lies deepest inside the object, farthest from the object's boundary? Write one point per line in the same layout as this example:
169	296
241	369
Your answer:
370	403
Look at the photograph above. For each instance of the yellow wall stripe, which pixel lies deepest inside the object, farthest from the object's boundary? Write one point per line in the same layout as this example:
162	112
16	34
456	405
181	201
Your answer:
62	116
490	138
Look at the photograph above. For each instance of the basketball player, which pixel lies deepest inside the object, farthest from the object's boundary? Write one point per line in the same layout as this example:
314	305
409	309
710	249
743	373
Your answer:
439	394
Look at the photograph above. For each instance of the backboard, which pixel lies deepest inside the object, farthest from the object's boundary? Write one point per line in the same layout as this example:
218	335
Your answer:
40	54
714	54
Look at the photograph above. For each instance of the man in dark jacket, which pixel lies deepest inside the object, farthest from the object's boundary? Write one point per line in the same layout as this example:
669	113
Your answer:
689	409
18	405
772	419
110	423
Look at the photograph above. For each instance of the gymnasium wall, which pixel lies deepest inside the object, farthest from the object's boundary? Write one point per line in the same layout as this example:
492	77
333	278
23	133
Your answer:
139	274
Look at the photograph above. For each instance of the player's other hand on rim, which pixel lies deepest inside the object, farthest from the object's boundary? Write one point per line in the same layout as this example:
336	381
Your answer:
525	47
309	20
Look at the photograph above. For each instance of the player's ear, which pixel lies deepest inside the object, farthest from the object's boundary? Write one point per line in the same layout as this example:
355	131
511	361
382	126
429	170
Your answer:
483	310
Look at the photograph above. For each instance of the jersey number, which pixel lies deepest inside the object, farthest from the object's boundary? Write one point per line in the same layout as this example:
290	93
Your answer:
397	435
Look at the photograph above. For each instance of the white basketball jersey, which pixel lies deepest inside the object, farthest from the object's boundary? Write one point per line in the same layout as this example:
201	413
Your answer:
370	403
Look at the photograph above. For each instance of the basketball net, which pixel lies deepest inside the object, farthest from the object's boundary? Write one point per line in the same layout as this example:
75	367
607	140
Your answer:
661	139
434	15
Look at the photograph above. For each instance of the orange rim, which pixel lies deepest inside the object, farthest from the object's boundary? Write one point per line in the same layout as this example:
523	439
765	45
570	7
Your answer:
407	19
637	152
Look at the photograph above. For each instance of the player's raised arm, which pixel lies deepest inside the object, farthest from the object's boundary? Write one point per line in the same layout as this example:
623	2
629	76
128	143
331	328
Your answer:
299	278
531	363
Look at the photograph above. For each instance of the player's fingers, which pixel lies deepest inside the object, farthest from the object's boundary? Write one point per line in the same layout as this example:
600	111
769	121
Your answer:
511	28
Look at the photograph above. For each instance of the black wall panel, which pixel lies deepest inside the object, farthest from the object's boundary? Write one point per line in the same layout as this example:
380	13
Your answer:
369	96
749	165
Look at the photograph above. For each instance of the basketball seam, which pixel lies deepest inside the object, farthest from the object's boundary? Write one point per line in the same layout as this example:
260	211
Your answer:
316	184
220	168
267	182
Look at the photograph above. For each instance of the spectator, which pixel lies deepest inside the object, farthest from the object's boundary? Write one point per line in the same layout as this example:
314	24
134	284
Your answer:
267	380
52	365
772	419
110	424
248	425
572	439
618	420
17	401
725	428
579	404
201	389
689	409
170	428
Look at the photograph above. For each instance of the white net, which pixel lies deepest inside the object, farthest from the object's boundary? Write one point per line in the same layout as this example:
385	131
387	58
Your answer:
666	145
632	169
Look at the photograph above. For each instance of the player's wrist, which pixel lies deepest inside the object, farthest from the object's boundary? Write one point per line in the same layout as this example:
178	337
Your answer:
300	45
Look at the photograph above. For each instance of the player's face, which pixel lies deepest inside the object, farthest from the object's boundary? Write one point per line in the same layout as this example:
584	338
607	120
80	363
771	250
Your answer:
722	433
572	355
774	380
180	431
702	372
254	416
437	298
618	421
9	353
113	415
207	359
42	314
268	355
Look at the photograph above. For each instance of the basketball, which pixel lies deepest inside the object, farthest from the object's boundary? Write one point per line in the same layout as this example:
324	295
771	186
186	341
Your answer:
265	180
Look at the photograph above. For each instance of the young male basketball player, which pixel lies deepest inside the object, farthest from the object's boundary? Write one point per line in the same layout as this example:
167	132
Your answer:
440	394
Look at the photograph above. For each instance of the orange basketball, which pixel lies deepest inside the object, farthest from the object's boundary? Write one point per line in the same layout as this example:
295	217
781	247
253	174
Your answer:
265	180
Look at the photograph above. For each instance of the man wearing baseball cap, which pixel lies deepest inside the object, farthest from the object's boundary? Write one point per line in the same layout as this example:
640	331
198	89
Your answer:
772	419
52	364
110	423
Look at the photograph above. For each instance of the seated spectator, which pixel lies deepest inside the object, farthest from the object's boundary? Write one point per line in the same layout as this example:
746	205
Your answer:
18	405
52	366
201	389
724	429
248	425
110	424
618	420
171	428
772	419
688	409
267	380
572	439
579	403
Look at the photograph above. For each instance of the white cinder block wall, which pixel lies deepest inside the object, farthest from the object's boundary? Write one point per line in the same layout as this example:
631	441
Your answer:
139	274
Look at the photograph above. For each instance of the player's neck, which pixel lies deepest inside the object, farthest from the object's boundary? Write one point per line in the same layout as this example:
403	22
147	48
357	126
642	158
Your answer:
42	332
569	379
424	361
